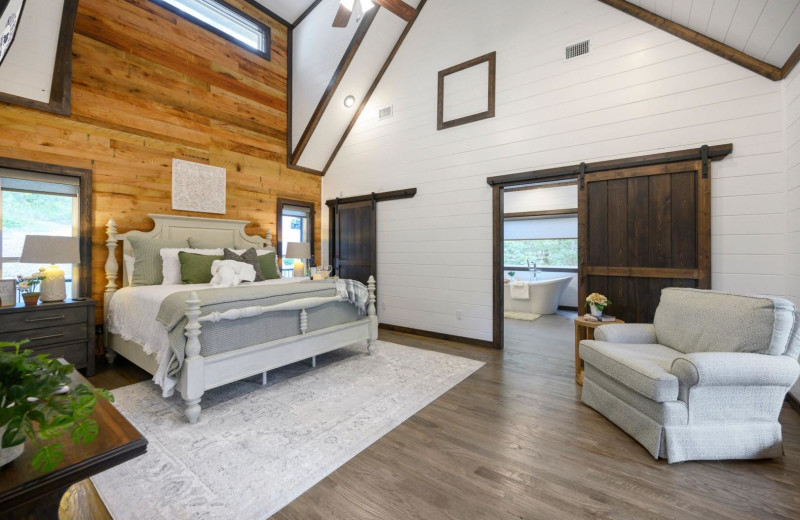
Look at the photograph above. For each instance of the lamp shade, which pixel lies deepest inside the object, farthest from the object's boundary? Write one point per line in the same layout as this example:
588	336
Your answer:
298	250
41	249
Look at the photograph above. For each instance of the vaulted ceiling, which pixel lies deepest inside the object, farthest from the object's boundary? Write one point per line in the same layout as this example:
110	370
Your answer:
289	10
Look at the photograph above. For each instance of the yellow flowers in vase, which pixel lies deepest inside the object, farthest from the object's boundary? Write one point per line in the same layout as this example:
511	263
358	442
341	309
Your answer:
597	303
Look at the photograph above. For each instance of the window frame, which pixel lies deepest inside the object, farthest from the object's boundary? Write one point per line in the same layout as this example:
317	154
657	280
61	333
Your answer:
84	219
267	54
279	241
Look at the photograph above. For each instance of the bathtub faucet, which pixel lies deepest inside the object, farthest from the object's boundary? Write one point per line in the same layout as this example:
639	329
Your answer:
532	272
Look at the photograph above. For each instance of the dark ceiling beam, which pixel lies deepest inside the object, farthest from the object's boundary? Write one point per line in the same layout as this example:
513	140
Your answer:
704	42
399	8
269	13
338	74
374	86
791	62
306	13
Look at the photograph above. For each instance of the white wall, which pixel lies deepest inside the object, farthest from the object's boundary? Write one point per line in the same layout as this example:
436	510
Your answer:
639	91
791	97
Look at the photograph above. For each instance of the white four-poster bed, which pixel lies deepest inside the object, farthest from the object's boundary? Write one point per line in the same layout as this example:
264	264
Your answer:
198	372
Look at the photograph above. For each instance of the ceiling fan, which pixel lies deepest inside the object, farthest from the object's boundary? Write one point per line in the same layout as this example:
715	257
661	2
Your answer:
347	7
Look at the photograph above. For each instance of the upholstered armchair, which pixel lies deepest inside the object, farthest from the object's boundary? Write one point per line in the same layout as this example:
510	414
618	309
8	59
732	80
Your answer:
705	381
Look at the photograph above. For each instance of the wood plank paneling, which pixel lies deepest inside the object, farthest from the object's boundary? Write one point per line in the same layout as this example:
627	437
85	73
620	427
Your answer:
148	87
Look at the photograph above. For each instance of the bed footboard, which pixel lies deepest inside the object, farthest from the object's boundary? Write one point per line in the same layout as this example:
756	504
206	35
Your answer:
197	374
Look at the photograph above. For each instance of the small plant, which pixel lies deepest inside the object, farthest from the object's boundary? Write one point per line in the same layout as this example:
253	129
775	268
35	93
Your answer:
28	397
511	274
597	300
28	284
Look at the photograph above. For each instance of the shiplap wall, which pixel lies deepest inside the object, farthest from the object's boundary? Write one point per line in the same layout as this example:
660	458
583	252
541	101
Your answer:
639	91
791	97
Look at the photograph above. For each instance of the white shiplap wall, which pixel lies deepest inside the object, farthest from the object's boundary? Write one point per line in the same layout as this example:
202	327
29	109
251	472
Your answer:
639	91
791	97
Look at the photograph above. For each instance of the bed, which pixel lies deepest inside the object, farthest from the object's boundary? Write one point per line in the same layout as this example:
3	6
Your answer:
229	334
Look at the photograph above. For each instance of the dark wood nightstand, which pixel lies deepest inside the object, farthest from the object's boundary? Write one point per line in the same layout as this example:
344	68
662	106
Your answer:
61	329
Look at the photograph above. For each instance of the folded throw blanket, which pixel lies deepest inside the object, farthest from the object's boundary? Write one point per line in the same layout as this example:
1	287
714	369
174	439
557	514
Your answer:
230	273
519	291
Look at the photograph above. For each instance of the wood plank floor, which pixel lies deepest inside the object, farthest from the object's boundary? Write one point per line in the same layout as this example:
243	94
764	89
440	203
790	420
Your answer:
514	441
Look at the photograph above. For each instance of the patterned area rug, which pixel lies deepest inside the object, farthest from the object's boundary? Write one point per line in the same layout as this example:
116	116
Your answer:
255	449
526	316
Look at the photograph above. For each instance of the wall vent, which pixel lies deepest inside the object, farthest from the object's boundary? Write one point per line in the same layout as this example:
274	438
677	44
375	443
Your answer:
385	112
577	49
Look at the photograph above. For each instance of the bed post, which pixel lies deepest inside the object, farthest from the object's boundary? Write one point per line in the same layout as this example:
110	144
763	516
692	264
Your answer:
269	238
192	373
373	315
112	269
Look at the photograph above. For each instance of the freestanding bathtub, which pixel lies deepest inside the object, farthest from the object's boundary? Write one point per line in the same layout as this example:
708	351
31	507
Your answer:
544	296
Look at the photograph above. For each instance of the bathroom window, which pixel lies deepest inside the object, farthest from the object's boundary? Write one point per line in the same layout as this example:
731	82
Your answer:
550	252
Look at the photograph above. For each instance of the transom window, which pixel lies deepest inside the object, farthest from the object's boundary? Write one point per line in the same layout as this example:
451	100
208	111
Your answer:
225	21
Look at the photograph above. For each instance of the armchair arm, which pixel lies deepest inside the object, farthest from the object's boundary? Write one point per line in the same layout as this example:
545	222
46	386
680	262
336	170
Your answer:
626	333
735	369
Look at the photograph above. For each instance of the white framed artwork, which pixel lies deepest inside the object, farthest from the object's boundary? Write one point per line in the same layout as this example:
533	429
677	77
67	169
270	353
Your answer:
8	292
198	187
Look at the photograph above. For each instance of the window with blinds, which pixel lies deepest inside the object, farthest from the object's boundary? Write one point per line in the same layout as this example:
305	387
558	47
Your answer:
35	204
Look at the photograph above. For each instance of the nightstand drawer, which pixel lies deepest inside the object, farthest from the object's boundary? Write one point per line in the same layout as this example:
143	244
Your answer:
75	354
43	317
48	335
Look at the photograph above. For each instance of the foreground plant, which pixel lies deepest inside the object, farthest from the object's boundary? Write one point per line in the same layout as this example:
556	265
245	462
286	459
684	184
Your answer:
31	408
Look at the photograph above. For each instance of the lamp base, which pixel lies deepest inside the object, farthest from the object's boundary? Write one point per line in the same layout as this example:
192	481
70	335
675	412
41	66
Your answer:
54	286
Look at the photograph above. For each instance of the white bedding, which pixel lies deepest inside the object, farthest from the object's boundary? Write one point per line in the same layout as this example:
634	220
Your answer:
132	315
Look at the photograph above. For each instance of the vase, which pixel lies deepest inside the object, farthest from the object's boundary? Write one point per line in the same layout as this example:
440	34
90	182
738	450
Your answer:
30	298
9	454
595	310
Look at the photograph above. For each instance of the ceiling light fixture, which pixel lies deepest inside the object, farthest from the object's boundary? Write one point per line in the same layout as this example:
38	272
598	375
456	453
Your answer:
349	101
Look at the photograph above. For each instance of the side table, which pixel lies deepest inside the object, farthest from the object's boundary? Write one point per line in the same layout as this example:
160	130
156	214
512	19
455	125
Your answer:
584	329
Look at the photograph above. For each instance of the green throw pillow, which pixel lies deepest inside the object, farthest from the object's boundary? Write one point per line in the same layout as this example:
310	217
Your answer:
148	267
269	266
196	268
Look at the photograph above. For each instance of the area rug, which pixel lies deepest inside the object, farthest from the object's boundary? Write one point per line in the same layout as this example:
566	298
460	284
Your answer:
526	316
255	448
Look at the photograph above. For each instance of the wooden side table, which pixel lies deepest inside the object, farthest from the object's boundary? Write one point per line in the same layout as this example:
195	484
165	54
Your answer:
27	493
584	329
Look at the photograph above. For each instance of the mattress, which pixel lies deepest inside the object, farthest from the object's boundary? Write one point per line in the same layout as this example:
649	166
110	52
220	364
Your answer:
133	312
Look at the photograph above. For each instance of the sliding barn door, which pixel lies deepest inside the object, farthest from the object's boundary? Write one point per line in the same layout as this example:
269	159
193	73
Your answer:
643	229
354	240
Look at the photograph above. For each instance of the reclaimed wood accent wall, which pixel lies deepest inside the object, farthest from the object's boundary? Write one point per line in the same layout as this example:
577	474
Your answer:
149	86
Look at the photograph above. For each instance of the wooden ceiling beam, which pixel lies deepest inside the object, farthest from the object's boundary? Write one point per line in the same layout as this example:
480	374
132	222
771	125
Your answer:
399	8
791	62
701	40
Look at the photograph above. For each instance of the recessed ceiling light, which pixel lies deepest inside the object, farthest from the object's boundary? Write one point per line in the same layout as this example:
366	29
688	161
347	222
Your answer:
349	101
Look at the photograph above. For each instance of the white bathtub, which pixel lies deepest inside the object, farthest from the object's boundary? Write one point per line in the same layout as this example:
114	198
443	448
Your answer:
544	296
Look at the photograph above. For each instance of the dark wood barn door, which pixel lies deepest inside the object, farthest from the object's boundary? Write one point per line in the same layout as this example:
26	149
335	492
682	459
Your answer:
643	229
354	240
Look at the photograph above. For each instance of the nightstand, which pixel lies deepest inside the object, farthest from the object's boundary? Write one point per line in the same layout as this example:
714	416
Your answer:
61	329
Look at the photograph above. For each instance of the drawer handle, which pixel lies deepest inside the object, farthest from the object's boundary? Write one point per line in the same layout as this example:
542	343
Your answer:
46	337
34	320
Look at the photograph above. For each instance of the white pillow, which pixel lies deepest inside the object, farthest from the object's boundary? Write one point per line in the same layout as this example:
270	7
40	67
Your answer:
128	260
171	264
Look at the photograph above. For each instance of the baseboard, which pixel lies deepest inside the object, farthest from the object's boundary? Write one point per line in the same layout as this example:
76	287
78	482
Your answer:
793	402
437	335
567	308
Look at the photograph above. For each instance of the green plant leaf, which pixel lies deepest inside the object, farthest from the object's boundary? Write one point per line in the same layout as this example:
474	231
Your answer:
48	457
13	434
85	432
105	394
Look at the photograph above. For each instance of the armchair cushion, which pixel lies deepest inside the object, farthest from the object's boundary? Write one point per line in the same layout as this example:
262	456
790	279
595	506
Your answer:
734	369
626	333
641	367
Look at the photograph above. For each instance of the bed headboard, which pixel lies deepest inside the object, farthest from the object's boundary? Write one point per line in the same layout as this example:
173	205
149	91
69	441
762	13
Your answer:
171	227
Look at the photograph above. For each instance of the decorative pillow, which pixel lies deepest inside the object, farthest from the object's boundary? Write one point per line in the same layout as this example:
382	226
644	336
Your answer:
269	266
210	243
147	269
196	268
171	265
129	261
249	257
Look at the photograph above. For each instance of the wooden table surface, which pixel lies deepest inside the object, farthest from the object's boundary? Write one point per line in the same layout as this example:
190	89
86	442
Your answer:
29	493
584	329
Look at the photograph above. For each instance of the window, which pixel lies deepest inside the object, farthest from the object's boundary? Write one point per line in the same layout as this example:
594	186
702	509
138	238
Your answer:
545	252
295	224
225	21
35	204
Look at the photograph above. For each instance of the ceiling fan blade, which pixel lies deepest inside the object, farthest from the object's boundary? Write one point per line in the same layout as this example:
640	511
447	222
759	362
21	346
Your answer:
342	17
398	7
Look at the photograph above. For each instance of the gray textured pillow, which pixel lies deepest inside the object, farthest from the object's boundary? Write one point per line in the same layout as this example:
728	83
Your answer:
249	257
211	243
147	266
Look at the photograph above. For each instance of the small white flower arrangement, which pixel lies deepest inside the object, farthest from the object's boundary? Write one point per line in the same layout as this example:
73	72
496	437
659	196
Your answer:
28	284
597	303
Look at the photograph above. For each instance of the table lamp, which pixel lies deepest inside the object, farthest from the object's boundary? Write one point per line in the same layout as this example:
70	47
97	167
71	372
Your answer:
300	251
39	249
